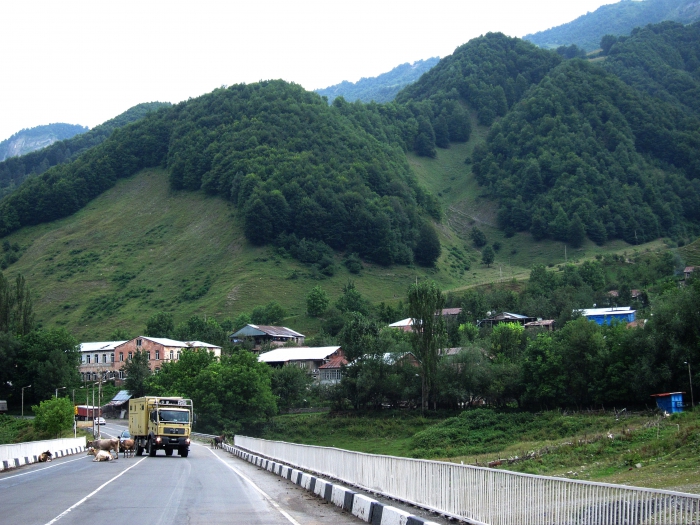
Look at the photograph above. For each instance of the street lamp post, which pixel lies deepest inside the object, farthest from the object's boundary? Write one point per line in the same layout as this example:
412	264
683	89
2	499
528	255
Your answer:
30	386
690	378
60	388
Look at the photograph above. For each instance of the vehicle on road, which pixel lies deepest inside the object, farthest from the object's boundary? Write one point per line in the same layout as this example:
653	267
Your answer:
161	423
124	434
3	406
100	421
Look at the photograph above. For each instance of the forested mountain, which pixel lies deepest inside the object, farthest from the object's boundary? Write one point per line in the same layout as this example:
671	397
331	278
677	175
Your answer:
382	88
616	19
14	170
29	140
584	153
300	173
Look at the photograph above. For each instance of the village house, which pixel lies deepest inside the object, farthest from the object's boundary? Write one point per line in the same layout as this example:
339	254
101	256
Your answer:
309	358
504	317
272	335
449	314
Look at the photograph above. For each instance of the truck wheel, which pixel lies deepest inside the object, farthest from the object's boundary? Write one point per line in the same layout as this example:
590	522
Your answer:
151	449
168	451
183	452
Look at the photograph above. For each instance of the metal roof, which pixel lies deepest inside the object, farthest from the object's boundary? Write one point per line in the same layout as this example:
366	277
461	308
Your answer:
274	331
619	310
298	353
122	397
97	347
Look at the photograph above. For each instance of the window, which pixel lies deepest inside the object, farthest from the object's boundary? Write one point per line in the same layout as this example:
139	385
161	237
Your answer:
121	374
130	355
157	369
97	358
178	354
171	355
121	357
104	358
138	342
87	358
112	358
149	355
157	355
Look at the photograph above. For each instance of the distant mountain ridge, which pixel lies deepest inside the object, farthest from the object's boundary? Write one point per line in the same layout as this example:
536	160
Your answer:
615	19
15	169
32	139
382	88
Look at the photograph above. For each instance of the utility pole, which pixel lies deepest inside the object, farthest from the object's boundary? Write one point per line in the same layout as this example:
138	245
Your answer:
690	378
30	386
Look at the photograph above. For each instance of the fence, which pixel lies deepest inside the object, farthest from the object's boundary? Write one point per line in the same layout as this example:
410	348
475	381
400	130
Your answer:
487	496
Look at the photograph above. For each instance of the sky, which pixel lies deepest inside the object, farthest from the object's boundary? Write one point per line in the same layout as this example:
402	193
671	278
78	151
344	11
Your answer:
86	61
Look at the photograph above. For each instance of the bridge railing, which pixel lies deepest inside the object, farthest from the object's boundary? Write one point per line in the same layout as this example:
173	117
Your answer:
487	496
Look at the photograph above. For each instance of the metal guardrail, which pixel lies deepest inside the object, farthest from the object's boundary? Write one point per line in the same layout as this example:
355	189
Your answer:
487	496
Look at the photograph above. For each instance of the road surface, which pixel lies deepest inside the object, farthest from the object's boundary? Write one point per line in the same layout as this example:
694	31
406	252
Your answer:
210	487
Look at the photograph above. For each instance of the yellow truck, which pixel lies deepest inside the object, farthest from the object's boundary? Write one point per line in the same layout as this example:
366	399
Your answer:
161	423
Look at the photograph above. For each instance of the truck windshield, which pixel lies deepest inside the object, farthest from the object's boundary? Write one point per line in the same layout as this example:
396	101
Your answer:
179	416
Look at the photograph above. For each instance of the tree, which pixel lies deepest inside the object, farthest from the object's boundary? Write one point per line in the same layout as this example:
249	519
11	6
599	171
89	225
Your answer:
607	42
359	337
427	250
270	314
53	416
160	325
478	237
488	256
290	386
316	301
577	231
352	300
137	373
425	304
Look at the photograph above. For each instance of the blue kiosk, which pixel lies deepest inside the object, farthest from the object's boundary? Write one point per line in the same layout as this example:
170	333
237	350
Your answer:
671	402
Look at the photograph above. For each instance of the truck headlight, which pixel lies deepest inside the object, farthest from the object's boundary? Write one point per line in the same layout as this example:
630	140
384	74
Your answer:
187	441
158	440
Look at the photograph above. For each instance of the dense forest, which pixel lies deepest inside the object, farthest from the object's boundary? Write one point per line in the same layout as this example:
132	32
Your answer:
15	170
618	19
585	153
382	88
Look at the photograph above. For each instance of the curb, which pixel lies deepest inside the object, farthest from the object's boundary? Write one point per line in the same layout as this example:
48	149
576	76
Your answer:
359	505
28	460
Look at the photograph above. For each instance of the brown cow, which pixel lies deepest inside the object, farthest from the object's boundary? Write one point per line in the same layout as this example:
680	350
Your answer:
45	456
106	444
128	447
217	441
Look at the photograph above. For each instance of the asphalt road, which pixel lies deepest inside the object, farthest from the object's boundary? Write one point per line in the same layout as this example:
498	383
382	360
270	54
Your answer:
210	487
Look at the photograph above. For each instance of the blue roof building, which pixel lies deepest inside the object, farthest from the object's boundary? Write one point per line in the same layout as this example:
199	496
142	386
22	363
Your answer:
623	314
671	402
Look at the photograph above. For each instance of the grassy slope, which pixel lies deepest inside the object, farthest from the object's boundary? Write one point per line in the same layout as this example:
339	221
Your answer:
134	250
570	446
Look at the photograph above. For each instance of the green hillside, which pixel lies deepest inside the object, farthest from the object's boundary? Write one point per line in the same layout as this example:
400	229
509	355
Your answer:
617	19
141	248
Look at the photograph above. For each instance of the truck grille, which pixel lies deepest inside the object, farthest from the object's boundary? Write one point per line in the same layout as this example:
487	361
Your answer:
169	430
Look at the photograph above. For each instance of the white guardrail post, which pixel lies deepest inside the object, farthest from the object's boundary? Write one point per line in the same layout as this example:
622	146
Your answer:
487	496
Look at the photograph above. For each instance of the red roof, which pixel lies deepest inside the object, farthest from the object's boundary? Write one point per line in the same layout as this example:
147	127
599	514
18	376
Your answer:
335	362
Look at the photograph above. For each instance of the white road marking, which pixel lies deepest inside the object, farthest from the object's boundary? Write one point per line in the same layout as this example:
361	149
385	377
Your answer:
62	514
250	481
40	469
